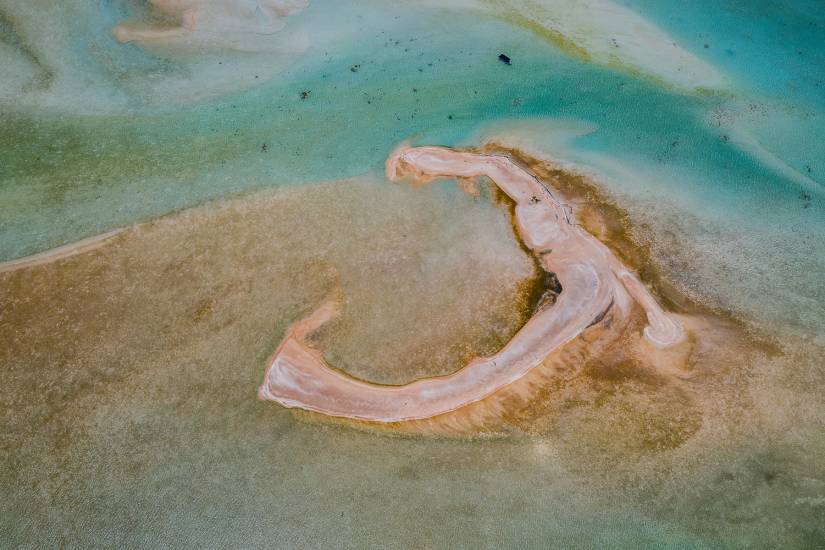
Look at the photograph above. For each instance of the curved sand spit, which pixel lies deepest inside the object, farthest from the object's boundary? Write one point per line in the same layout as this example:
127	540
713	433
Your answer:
593	282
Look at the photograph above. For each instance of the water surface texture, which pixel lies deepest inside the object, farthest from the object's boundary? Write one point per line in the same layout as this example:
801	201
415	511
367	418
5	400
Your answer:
241	151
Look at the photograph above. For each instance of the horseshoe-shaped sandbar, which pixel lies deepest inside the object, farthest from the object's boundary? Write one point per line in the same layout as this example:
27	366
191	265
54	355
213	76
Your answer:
593	282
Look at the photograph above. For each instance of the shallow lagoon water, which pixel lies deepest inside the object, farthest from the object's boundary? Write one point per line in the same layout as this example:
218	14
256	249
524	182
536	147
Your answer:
129	404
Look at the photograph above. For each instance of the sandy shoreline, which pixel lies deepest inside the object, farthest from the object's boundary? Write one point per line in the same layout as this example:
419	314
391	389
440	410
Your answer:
61	252
596	290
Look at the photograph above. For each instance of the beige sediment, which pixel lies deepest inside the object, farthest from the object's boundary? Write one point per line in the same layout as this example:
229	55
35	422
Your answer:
142	33
597	291
211	16
62	252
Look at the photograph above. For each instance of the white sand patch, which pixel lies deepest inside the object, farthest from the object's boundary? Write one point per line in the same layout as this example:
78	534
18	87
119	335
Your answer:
238	24
609	34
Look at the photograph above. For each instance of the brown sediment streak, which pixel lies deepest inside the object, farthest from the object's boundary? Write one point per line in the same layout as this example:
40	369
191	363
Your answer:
593	282
55	254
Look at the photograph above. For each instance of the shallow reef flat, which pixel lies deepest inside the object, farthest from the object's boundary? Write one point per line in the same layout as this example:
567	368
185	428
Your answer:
175	319
461	273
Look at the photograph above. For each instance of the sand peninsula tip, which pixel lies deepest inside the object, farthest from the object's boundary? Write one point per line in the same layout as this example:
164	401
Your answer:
598	294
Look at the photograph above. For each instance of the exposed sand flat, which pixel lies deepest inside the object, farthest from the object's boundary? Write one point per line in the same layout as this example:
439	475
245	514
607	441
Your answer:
223	16
596	287
66	251
605	32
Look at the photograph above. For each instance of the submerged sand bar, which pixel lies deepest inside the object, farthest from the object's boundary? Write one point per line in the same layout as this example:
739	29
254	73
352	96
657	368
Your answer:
593	282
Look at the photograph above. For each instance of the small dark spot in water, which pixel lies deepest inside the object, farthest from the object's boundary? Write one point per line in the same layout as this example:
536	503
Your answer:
450	117
504	59
264	148
355	68
725	137
707	46
305	94
770	476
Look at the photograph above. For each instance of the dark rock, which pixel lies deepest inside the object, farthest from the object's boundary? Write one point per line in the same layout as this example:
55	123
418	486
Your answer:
504	59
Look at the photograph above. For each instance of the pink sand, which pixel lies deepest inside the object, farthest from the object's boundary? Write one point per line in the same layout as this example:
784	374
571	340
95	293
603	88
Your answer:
592	278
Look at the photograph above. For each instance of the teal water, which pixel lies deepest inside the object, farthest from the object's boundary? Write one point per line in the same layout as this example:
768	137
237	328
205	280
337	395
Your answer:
66	176
100	139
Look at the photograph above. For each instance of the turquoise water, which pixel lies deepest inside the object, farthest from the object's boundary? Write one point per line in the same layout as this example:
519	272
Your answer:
108	142
67	176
